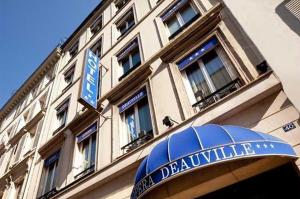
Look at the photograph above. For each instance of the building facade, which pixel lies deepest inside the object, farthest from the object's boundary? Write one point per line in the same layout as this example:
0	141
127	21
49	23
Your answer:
22	121
178	81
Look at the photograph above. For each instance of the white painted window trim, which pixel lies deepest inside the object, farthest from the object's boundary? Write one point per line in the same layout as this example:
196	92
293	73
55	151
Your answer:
179	17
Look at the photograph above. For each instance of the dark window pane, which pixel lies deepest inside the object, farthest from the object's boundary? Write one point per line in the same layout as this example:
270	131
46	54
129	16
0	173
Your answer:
127	24
125	64
187	13
50	178
216	69
121	3
69	76
96	26
136	59
85	150
197	81
173	25
73	50
122	28
96	48
93	149
130	22
130	123
144	115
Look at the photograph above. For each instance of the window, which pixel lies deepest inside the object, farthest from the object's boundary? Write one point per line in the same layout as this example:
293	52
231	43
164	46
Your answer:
120	4
50	176
61	114
11	130
1	161
50	170
68	77
209	73
129	59
43	100
18	154
27	116
35	132
19	193
12	152
35	90
18	109
73	50
87	148
29	99
97	48
96	26
181	14
137	121
24	102
126	23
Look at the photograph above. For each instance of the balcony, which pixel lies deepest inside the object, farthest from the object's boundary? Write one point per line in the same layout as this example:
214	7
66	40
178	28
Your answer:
25	124
49	194
143	138
85	172
217	95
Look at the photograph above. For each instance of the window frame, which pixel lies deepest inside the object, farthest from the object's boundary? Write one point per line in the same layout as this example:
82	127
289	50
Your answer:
65	110
130	59
37	133
12	129
53	177
74	49
124	129
19	191
129	56
124	19
93	47
69	72
35	90
179	18
97	21
20	149
79	154
123	5
227	65
14	151
81	150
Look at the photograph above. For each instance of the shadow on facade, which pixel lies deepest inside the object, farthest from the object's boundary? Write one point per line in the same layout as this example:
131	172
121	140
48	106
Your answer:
251	50
289	12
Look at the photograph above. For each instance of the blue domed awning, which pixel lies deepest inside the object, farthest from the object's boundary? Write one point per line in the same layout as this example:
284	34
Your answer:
199	146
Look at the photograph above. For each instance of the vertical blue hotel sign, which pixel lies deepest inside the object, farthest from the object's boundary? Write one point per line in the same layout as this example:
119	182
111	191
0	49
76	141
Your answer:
90	79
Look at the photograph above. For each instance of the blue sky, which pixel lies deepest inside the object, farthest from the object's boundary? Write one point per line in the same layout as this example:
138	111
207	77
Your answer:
29	31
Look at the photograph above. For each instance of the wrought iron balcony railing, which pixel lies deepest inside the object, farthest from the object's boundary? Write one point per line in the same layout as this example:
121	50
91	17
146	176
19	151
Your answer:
218	94
86	172
143	138
49	194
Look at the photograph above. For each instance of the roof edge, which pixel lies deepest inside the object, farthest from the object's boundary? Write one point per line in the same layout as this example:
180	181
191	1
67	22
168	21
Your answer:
10	103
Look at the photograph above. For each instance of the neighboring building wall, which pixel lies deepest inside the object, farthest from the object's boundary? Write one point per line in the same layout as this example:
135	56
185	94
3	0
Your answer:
21	130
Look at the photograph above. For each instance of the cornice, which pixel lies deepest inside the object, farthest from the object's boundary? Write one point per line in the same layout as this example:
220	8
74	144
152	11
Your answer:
35	77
